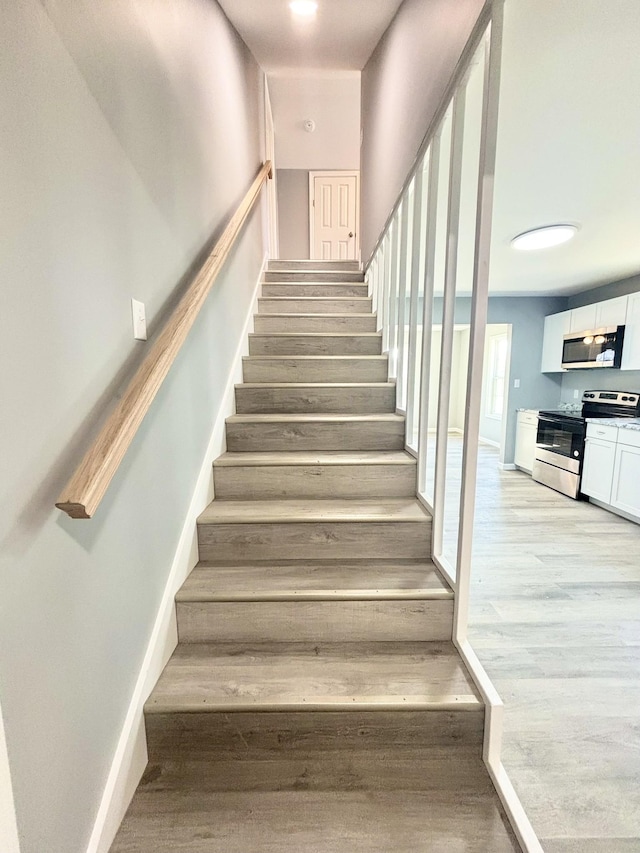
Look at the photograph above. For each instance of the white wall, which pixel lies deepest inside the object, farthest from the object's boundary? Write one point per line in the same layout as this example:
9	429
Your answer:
490	427
293	213
332	100
129	133
402	86
8	824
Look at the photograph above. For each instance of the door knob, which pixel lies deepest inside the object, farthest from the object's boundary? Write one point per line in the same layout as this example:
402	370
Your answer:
350	233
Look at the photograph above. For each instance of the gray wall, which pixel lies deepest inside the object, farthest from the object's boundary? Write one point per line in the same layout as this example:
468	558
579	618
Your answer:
526	316
129	133
402	85
604	380
293	213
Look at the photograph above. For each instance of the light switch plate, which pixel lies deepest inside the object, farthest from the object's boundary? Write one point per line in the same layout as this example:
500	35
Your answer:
576	394
139	320
516	383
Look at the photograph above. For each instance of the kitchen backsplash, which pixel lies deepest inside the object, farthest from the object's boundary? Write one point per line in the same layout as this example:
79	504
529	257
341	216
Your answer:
607	379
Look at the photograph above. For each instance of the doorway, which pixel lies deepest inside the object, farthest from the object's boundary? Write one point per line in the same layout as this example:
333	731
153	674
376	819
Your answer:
495	385
334	216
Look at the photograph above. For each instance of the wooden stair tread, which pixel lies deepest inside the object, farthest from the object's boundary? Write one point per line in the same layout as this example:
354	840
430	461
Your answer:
319	357
315	580
358	820
313	298
315	334
378	510
290	316
263	385
321	457
352	282
301	676
315	417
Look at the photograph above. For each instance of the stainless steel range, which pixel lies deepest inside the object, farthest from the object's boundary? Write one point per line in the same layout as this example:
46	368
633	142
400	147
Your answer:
561	434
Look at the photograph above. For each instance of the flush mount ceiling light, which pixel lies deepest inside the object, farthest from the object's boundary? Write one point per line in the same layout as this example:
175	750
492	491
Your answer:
543	238
304	8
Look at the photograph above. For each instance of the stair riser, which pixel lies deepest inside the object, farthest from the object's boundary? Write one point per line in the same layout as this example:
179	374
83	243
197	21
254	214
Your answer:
312	345
305	733
247	437
371	369
314	540
355	400
314	621
315	306
320	266
312	275
263	482
294	291
351	324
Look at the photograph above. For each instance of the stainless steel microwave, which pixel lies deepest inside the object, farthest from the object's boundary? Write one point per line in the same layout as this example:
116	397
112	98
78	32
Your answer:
593	348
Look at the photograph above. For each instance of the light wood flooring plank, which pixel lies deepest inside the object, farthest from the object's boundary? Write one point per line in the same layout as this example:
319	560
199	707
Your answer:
374	676
555	620
314	580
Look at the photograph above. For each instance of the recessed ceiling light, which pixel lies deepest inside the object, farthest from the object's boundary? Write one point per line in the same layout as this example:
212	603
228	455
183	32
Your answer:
544	238
305	8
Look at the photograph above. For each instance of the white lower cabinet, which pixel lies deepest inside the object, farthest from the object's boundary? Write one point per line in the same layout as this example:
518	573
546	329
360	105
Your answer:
597	471
526	431
611	469
625	492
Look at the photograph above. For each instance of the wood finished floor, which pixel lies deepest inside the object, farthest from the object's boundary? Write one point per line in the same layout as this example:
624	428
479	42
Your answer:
555	620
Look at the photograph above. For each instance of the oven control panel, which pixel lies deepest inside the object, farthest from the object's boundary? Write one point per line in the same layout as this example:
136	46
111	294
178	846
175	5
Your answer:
612	398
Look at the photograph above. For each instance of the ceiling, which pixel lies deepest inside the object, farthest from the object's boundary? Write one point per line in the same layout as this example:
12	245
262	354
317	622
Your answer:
342	35
568	144
569	125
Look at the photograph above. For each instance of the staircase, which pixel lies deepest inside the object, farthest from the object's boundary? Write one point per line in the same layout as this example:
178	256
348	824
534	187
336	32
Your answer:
315	701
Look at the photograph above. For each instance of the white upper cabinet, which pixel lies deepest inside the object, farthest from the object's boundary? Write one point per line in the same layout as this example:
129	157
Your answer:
555	327
621	311
582	318
611	312
631	345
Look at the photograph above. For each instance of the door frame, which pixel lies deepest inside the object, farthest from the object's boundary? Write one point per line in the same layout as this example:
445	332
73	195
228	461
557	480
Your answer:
333	173
272	189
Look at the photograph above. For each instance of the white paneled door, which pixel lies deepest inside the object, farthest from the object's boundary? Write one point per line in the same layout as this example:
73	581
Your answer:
334	216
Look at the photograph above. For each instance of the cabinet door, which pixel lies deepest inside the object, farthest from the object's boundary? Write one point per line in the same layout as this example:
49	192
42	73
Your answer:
583	318
525	446
625	494
631	345
611	312
555	327
597	471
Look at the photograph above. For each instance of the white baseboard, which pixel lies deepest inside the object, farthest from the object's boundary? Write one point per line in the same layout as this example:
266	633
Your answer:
489	441
507	466
492	750
130	757
8	821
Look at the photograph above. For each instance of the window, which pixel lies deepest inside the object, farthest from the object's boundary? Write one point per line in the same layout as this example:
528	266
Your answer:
498	347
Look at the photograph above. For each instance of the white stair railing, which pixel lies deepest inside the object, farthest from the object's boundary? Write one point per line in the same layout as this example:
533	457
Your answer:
429	275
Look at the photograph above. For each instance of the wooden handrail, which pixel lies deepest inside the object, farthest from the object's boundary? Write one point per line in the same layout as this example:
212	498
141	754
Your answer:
86	488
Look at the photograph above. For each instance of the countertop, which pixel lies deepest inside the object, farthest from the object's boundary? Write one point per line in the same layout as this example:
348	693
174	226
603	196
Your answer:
622	423
530	411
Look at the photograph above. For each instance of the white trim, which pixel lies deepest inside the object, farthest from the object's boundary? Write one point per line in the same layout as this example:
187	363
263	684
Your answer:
130	758
8	821
339	173
441	563
492	748
489	441
508	466
272	186
614	510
